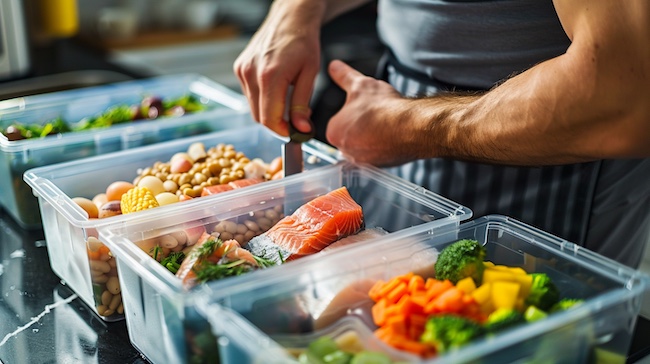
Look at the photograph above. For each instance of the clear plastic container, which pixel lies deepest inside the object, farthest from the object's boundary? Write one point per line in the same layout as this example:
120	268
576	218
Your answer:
75	254
157	306
252	319
225	109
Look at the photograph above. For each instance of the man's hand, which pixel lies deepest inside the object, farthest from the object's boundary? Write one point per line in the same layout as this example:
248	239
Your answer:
367	129
285	51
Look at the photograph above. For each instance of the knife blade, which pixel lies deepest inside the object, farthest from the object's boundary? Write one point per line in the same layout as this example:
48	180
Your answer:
292	161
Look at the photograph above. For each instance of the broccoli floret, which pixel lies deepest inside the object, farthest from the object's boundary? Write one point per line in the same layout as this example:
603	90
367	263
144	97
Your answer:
446	332
502	319
565	304
543	292
533	313
461	259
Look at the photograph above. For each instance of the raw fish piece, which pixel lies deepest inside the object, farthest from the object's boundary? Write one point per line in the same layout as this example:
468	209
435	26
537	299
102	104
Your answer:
213	190
245	182
229	249
311	228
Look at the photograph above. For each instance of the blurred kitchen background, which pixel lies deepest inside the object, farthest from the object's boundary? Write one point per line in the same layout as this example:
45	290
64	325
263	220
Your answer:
50	45
75	43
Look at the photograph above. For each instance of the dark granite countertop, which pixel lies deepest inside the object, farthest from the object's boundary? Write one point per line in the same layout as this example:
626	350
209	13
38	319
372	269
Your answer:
41	319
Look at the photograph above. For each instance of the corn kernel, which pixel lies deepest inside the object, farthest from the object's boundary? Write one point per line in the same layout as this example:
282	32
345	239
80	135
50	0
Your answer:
137	199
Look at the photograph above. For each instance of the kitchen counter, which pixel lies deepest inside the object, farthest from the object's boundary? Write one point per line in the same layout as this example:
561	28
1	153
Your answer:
41	319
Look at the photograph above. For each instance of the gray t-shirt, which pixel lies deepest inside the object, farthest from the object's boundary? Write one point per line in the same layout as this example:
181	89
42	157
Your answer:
471	43
602	205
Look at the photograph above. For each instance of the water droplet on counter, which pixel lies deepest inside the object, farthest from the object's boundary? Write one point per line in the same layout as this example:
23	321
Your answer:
12	287
34	330
18	253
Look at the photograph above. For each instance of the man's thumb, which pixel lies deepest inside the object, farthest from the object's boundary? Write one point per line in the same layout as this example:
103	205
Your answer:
342	74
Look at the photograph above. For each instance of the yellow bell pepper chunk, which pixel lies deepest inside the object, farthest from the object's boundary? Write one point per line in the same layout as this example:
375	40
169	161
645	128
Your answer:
483	293
505	294
517	271
496	275
526	281
466	285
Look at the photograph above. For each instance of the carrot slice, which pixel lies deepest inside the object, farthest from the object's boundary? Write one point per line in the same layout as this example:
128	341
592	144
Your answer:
389	286
415	284
397	324
450	301
374	292
396	293
379	312
437	288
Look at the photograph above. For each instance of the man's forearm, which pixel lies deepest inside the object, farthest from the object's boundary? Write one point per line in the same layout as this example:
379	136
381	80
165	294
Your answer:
320	10
590	103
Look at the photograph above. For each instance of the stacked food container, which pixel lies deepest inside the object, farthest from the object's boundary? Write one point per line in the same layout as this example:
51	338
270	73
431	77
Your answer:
183	105
76	254
272	320
120	264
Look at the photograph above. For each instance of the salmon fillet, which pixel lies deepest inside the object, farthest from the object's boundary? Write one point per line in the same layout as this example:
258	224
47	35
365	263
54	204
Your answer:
312	227
245	182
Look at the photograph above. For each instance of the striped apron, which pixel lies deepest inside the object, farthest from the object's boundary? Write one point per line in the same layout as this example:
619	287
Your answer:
557	199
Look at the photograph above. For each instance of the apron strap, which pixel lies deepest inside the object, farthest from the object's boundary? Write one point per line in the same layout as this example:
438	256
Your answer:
388	58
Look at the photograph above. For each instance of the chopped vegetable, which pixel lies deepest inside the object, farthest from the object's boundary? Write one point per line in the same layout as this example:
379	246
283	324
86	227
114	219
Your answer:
173	261
447	332
543	292
461	259
404	303
326	350
432	316
533	313
149	107
137	199
565	304
503	318
208	271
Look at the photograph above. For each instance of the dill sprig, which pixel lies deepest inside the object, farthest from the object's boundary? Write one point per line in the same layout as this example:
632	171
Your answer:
173	261
213	271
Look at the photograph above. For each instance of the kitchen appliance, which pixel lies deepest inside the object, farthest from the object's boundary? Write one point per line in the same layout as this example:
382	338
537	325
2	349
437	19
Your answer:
14	49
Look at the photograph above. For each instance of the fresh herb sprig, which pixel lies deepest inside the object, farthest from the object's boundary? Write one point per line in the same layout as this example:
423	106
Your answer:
173	261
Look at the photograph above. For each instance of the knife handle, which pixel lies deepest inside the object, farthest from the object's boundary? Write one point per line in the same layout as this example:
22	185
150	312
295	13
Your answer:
298	136
295	134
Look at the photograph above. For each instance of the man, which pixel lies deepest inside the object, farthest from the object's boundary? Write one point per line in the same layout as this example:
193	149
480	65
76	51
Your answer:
551	124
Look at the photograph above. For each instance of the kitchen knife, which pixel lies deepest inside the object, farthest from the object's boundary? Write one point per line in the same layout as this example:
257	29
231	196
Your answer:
292	161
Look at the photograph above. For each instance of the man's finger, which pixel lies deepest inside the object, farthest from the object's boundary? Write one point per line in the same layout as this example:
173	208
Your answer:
343	74
272	105
299	110
252	94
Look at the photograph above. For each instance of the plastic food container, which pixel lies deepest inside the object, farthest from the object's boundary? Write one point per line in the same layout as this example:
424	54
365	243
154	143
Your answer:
263	320
224	109
158	307
75	254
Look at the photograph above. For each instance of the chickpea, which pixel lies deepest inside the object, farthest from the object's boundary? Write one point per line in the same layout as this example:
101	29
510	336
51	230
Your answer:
113	285
106	298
